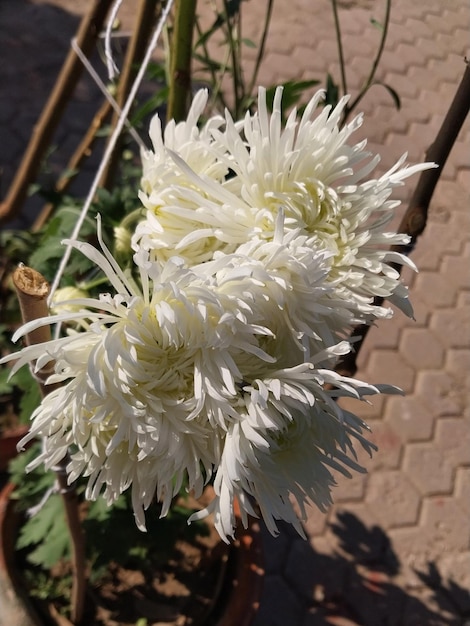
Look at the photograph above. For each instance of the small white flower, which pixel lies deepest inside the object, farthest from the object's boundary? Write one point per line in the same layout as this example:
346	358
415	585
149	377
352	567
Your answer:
60	302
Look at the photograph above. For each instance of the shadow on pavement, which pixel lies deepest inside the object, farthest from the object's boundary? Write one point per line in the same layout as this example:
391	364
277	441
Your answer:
354	585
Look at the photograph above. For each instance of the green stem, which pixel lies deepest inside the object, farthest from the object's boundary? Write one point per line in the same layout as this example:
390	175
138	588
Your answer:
180	63
369	81
216	82
262	46
339	42
242	94
233	51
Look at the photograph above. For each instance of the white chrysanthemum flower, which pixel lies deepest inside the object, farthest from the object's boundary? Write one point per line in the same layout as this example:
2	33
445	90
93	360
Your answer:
284	283
149	385
291	435
308	170
203	370
166	188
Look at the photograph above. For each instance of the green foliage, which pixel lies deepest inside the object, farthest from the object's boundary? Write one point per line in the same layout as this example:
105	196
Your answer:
112	535
44	587
332	91
23	385
130	547
293	91
30	487
47	534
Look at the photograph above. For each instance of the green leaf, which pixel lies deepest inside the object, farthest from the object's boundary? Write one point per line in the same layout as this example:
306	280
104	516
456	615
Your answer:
392	92
293	90
48	531
6	385
332	91
31	486
376	23
30	400
30	393
249	43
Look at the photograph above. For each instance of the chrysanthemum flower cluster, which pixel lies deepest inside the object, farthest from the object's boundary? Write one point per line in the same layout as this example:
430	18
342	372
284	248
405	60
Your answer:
262	245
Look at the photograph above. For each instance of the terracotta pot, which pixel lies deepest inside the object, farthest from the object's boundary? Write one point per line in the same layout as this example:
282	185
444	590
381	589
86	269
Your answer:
236	603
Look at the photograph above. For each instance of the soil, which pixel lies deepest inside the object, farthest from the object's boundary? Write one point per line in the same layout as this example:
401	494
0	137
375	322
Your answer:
182	591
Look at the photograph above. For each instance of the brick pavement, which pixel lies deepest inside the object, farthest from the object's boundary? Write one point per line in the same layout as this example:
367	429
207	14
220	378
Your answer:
394	549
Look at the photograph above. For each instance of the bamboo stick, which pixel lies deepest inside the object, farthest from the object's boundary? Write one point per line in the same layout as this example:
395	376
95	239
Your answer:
83	150
180	61
32	290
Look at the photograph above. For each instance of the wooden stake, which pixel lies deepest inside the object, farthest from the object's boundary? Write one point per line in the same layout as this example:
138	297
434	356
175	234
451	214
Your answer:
32	290
415	219
87	34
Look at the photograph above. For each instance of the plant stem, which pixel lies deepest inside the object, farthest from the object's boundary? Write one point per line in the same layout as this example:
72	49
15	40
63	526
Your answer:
262	46
180	64
32	290
415	218
339	42
233	44
369	81
217	93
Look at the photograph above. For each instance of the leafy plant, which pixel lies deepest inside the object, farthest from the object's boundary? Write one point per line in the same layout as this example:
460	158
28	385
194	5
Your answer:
44	537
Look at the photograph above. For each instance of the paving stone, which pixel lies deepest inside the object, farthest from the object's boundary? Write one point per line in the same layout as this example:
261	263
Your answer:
430	608
410	418
394	498
372	409
315	524
452	437
349	489
421	348
450	326
462	489
448	523
437	391
428	469
438	291
455	266
354	532
455	572
391	368
283	607
307	573
375	603
389	443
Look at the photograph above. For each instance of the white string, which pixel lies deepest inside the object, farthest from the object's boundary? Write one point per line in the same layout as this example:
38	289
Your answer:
93	73
112	67
110	147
